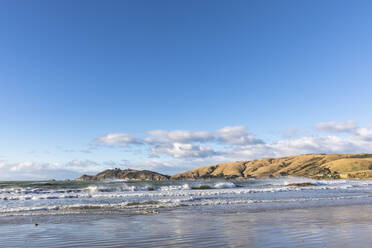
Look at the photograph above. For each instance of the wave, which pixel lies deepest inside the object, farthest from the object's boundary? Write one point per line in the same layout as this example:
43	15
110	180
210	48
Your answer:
167	191
175	187
225	185
170	203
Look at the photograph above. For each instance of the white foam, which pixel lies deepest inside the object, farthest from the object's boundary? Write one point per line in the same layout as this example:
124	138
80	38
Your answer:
175	187
224	185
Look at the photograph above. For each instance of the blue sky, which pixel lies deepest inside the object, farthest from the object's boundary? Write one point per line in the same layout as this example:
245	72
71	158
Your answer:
84	84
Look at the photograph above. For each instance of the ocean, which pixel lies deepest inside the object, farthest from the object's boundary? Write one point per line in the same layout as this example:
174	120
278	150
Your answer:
73	197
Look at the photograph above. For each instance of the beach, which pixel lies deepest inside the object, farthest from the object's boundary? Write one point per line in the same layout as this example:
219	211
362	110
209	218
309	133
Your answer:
200	213
346	226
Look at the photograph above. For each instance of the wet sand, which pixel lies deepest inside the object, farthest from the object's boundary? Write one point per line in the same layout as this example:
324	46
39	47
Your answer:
340	226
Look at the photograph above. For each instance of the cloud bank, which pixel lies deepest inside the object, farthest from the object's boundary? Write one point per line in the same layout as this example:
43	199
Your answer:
172	151
236	143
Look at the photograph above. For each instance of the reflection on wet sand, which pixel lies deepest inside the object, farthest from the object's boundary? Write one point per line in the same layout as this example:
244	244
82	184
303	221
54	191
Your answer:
346	226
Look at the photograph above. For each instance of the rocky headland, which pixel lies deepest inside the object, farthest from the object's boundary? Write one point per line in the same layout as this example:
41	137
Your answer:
127	174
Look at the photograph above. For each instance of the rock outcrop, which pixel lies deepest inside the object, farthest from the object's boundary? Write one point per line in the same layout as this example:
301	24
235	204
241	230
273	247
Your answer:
127	174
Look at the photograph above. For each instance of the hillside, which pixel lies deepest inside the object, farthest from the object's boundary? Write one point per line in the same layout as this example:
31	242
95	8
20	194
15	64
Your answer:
127	174
317	166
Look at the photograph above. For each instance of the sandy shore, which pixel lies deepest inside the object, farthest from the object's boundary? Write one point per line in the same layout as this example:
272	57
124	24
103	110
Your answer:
341	226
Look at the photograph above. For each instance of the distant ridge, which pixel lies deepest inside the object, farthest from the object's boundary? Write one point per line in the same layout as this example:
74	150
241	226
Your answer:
317	166
127	174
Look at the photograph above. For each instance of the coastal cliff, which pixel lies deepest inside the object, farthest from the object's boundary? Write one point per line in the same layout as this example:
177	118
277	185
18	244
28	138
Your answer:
317	166
127	174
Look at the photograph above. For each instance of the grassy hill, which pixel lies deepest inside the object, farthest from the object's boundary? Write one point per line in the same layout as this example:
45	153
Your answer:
317	166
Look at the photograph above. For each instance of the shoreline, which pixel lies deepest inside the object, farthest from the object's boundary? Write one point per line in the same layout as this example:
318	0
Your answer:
308	227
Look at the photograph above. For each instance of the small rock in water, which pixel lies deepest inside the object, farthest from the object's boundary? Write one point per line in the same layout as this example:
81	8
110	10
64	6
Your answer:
202	187
301	184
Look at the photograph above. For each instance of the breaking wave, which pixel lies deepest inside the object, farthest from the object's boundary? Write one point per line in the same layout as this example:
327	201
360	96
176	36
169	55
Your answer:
138	196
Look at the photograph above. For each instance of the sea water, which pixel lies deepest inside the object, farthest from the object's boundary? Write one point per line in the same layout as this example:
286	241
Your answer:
137	197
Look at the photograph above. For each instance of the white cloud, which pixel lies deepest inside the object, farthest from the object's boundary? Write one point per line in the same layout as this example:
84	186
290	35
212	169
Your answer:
185	143
180	150
178	136
30	166
117	138
303	145
337	127
238	143
364	134
236	135
233	135
181	143
35	171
